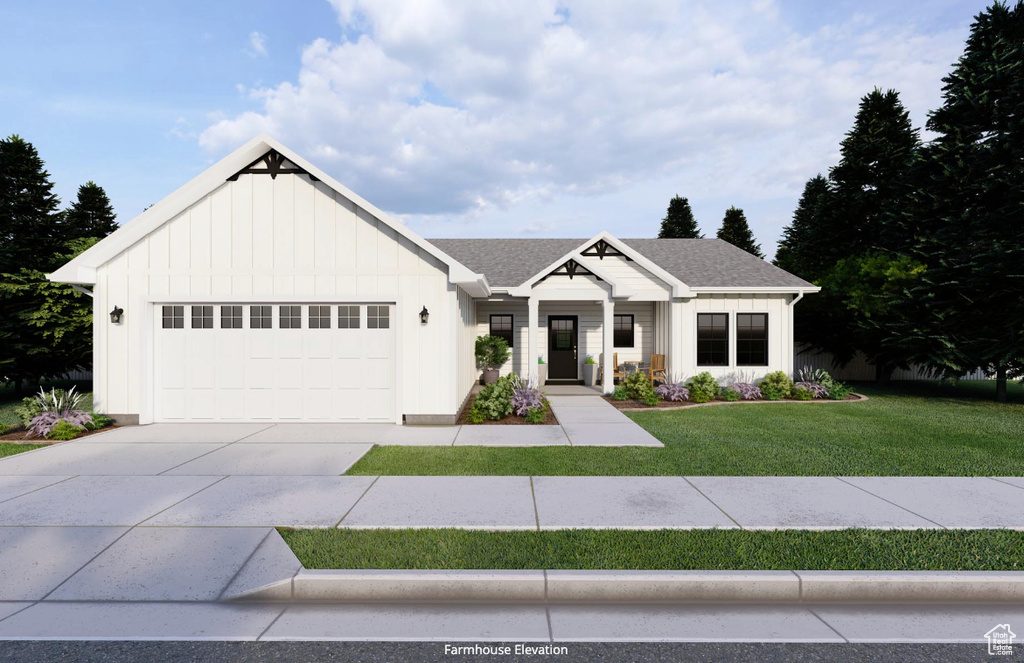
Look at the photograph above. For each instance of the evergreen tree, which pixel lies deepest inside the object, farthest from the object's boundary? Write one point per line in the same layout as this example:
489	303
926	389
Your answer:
736	231
871	180
91	215
679	221
802	247
29	217
969	306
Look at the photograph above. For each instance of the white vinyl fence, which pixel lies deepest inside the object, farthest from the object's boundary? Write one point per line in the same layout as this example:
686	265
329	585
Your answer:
860	369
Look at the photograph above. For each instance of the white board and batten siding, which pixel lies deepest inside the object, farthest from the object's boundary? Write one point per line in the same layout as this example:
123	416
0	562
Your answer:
681	330
286	240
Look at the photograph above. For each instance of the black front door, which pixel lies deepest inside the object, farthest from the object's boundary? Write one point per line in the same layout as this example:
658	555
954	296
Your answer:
563	339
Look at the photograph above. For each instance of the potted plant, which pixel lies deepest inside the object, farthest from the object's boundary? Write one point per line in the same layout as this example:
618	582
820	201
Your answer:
491	353
542	371
589	371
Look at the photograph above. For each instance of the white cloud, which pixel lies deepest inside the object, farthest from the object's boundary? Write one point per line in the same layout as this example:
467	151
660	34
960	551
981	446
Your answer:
257	44
468	116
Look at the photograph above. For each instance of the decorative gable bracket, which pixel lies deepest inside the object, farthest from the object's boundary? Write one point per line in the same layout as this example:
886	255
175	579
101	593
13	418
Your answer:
571	268
602	249
273	165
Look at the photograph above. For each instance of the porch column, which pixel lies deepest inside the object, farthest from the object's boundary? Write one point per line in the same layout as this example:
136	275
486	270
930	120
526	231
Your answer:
607	345
531	338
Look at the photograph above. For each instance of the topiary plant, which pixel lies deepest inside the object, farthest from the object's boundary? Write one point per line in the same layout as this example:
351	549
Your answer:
778	384
703	387
491	352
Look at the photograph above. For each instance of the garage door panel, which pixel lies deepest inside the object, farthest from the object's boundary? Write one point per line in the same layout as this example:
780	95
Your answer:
234	371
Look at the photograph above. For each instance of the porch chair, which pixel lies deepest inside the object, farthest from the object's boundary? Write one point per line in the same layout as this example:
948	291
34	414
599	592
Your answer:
657	370
617	373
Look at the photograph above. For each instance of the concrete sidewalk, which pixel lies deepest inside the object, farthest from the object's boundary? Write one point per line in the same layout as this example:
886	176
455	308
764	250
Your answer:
510	502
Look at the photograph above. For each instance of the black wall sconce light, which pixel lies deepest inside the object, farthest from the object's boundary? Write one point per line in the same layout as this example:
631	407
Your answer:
424	315
115	315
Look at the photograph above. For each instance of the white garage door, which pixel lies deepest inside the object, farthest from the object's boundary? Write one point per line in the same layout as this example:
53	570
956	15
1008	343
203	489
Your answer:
279	362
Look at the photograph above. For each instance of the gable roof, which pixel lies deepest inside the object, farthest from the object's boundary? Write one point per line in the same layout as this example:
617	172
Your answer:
699	263
82	269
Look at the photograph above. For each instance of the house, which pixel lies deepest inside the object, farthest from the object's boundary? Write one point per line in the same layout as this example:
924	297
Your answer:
265	290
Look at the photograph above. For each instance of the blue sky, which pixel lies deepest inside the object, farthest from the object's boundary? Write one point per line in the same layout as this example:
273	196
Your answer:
538	118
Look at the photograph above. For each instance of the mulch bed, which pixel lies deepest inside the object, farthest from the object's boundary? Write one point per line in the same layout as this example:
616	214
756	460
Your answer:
682	405
512	420
18	436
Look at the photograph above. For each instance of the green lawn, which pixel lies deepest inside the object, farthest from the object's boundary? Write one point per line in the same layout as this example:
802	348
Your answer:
7	449
663	549
923	429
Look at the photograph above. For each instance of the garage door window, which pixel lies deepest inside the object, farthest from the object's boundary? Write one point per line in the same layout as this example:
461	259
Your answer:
174	317
319	317
202	317
230	317
348	317
260	317
291	317
378	317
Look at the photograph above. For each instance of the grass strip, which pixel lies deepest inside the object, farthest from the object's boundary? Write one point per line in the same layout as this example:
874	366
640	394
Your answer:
850	549
7	449
906	430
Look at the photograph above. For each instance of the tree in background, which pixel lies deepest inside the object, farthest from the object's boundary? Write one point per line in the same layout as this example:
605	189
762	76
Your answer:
801	248
91	215
736	231
679	222
852	232
45	328
29	216
969	305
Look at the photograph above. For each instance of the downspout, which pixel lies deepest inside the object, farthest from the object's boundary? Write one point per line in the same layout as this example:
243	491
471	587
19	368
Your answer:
799	296
792	342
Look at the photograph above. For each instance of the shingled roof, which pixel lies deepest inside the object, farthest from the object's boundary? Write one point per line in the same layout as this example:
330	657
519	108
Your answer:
699	263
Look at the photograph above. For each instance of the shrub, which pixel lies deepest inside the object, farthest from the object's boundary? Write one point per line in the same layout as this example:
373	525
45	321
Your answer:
491	351
703	387
42	425
779	384
638	386
800	394
55	400
98	421
808	374
838	391
813	389
64	430
495	400
747	391
673	392
476	415
526	398
772	392
620	394
536	415
730	394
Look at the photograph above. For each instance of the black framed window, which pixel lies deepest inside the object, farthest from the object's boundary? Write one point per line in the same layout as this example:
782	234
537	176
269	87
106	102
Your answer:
502	326
291	317
230	317
712	339
623	331
202	317
319	317
751	339
378	317
261	317
173	317
348	317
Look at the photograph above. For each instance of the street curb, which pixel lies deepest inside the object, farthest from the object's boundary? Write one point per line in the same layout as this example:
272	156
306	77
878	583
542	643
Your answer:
645	586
